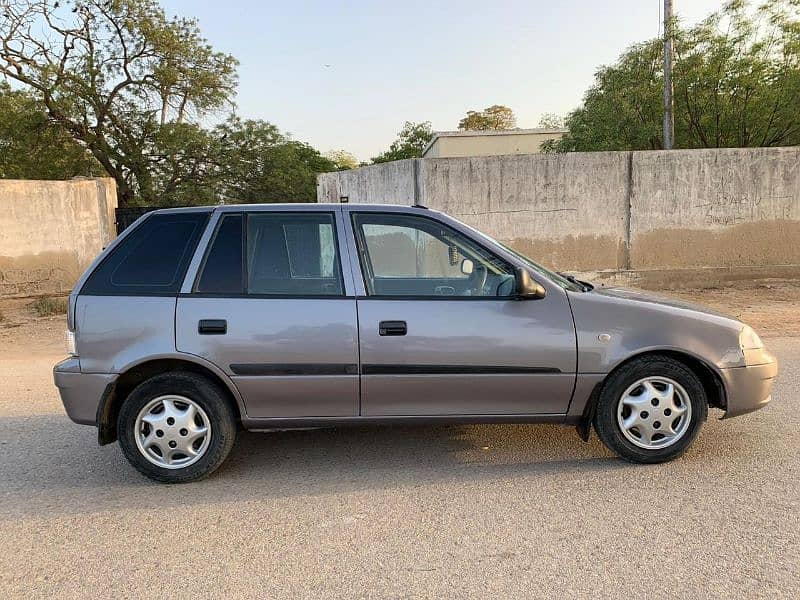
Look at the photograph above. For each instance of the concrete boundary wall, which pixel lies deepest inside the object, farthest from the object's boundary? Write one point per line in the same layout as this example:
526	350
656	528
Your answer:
50	231
623	212
387	183
716	208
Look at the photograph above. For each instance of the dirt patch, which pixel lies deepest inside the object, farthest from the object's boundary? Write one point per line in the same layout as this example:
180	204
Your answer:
772	308
24	334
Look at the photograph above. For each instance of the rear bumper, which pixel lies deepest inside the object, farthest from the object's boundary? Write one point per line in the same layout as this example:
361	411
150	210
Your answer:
749	388
81	393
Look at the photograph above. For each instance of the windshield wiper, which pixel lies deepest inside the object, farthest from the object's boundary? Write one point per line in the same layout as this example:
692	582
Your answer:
586	287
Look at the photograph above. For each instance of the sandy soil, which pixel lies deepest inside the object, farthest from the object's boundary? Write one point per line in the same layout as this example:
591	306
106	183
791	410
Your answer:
772	308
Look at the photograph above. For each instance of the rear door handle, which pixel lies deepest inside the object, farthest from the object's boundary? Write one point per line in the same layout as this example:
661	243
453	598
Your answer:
212	327
392	328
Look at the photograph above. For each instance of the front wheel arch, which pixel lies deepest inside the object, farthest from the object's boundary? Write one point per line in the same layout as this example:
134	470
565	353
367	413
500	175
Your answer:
711	380
650	432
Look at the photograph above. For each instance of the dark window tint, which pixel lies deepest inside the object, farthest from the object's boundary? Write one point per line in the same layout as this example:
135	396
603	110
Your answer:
152	259
292	253
222	272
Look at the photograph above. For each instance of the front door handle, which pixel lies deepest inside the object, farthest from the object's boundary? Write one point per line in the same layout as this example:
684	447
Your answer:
212	327
392	328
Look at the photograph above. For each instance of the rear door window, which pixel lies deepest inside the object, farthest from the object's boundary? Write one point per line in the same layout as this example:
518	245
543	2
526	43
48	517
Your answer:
292	254
222	270
152	259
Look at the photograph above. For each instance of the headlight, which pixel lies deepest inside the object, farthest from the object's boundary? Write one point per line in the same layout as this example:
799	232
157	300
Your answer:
749	340
70	339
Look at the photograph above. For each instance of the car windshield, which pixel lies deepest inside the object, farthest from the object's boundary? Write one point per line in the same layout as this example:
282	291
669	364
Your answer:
559	280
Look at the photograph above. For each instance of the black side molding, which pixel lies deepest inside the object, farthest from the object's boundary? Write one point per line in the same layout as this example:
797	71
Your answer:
272	369
453	370
277	369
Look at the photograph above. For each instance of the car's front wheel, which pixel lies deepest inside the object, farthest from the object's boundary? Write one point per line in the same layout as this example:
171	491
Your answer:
176	427
651	409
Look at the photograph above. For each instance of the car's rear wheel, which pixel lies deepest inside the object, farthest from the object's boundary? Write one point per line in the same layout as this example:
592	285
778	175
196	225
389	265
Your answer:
176	427
651	409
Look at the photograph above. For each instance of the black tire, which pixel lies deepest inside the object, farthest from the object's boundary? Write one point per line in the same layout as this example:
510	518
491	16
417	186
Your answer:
605	419
200	390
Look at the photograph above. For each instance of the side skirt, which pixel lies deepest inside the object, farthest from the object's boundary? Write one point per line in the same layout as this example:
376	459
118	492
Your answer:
306	422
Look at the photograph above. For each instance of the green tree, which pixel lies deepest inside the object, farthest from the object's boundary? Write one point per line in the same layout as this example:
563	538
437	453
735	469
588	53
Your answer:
258	163
410	142
492	117
551	121
342	159
124	81
31	147
736	78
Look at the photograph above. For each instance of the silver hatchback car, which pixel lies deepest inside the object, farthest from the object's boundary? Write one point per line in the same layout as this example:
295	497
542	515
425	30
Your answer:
195	322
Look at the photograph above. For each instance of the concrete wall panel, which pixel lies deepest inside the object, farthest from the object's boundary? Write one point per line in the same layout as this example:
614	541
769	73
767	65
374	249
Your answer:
387	183
567	210
726	207
50	231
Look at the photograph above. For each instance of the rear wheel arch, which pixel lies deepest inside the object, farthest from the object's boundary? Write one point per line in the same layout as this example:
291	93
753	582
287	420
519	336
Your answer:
115	396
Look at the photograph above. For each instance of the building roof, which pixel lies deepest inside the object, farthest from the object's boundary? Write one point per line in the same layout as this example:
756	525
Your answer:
490	132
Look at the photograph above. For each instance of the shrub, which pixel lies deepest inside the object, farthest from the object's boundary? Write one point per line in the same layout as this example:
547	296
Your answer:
47	307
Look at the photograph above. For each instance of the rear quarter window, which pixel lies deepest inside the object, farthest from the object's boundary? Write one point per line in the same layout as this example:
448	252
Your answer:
152	259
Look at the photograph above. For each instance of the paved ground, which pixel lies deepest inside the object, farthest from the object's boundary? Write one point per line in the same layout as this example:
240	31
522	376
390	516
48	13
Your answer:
457	512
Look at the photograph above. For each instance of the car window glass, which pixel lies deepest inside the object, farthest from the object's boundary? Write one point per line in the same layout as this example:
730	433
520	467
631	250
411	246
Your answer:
151	259
415	256
222	270
292	254
403	251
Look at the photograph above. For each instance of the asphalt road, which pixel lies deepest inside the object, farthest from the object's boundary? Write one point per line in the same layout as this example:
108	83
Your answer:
423	512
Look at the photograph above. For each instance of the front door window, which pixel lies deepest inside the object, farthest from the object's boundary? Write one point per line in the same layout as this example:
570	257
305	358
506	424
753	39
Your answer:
405	255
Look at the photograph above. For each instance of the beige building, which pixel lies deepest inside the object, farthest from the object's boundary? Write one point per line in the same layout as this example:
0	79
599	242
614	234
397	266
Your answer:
446	144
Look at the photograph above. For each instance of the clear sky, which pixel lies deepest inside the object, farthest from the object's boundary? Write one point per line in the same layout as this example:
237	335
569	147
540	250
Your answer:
346	75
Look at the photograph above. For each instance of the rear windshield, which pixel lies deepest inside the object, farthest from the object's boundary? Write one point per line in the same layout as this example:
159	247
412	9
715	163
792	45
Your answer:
152	259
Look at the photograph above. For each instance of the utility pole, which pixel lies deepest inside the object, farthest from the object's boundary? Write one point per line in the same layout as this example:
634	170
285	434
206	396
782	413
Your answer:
669	121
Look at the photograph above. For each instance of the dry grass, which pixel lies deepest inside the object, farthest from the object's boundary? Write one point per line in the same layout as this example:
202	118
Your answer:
47	307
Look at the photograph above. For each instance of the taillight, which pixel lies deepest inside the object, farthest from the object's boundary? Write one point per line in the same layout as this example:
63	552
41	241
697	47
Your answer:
70	340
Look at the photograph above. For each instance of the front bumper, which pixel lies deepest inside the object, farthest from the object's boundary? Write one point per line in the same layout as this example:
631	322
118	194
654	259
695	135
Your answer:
81	393
749	388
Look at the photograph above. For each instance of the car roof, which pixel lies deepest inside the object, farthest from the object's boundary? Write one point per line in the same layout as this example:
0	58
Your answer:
315	206
292	206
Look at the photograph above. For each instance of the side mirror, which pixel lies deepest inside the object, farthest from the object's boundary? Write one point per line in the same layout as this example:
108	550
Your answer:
467	266
526	287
